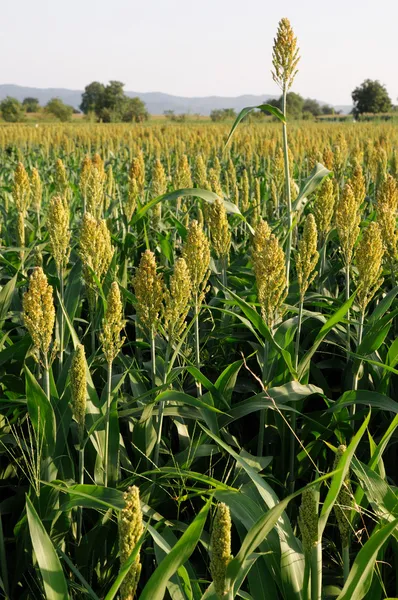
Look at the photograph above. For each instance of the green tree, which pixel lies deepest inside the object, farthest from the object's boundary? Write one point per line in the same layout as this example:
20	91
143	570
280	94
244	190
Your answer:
312	106
61	111
93	98
31	105
12	110
371	97
294	105
222	114
135	111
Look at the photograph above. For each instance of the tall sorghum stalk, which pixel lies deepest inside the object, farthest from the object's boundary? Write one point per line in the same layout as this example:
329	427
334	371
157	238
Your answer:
369	261
177	299
347	217
387	206
78	383
220	235
130	527
149	292
269	269
59	232
96	252
323	214
37	192
306	261
111	341
39	318
196	252
21	193
285	58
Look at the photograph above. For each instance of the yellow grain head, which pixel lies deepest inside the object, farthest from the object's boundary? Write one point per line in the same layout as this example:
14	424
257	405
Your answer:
347	218
39	311
78	384
307	255
177	300
130	526
196	252
369	259
149	291
21	191
285	55
387	205
59	232
220	544
112	324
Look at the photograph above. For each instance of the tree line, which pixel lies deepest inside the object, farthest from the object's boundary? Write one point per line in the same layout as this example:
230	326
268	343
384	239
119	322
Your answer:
105	103
109	104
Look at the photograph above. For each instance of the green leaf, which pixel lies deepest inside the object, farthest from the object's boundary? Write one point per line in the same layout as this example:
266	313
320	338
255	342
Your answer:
179	554
365	397
361	574
6	295
339	477
41	414
276	112
309	185
50	567
328	326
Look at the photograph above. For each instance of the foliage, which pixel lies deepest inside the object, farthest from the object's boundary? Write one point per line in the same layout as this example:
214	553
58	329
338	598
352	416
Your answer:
12	110
371	97
31	105
110	104
222	114
61	111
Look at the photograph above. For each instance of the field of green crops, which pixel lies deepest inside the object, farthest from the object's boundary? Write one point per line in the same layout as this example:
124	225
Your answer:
198	362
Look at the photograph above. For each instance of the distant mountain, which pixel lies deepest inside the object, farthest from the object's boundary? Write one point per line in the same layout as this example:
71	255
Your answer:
156	102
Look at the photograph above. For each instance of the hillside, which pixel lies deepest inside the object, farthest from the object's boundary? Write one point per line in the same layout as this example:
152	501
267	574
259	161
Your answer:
156	102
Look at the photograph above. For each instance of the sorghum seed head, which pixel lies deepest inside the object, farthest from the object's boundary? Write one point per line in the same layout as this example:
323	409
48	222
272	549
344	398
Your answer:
369	259
347	219
219	229
21	188
177	300
149	291
59	232
79	387
285	55
308	520
112	324
39	311
307	256
196	252
220	548
130	527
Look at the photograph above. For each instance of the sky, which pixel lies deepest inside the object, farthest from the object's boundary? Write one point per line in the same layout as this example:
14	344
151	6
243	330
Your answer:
202	48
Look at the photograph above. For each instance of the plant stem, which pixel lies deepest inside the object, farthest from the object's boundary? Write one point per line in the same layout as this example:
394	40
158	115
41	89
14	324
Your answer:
46	378
108	408
81	481
347	295
346	562
260	443
316	572
356	374
288	193
300	318
61	320
224	272
161	409
197	345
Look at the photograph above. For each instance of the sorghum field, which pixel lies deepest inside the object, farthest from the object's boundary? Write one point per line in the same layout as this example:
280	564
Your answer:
198	362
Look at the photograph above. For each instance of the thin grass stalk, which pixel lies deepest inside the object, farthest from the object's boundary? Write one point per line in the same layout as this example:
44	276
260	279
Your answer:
81	481
161	410
316	572
108	408
346	562
197	345
61	320
288	191
347	296
260	443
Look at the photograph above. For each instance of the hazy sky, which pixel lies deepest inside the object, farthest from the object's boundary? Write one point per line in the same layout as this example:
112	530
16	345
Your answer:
198	48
